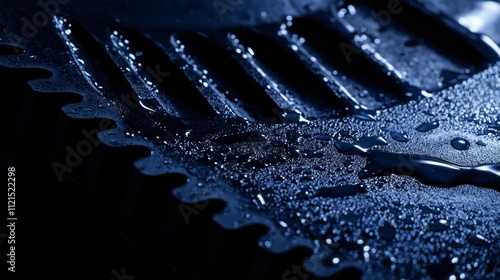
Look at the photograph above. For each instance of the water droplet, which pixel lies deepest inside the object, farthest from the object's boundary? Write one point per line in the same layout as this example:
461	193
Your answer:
400	137
319	168
283	224
149	104
478	240
441	270
341	191
481	143
365	116
361	146
439	225
261	199
494	126
460	144
294	117
425	127
302	170
302	194
428	170
387	231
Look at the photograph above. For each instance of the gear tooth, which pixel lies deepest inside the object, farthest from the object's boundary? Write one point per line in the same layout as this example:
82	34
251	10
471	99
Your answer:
113	137
155	164
78	110
51	85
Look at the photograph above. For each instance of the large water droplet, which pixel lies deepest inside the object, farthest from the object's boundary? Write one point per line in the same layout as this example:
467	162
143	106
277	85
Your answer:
427	126
360	146
341	191
431	170
494	126
387	231
481	143
460	144
478	239
439	225
365	116
400	137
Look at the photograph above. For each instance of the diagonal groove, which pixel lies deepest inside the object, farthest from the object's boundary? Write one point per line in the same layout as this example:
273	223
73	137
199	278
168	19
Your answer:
379	26
480	19
223	104
447	31
278	65
436	29
157	76
241	87
107	79
335	49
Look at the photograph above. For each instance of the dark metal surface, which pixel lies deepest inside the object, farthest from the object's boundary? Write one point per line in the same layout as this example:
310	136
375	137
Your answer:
326	139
